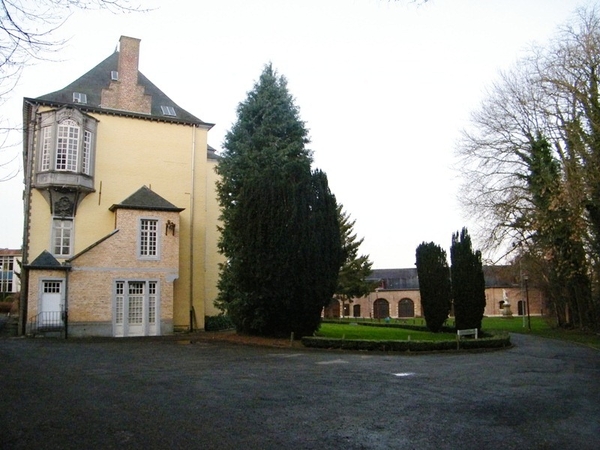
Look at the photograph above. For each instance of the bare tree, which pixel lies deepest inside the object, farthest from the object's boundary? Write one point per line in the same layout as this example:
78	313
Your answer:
550	96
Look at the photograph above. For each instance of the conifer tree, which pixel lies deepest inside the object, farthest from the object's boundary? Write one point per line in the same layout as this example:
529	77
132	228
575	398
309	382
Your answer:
280	232
468	282
434	284
352	280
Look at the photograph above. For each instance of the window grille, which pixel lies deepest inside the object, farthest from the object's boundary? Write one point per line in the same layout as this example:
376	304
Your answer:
78	97
62	236
87	152
149	237
46	148
168	110
67	145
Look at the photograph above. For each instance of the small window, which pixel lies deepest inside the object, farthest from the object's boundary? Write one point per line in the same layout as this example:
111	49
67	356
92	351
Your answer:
78	97
168	110
62	233
148	238
114	75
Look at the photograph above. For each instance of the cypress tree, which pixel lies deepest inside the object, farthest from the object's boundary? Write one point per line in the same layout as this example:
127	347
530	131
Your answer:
280	232
468	282
434	284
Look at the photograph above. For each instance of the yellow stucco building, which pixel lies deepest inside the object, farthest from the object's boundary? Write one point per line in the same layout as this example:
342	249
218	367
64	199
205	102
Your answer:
120	232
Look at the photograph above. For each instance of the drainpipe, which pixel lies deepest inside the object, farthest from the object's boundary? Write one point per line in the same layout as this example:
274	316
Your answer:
27	174
66	313
193	187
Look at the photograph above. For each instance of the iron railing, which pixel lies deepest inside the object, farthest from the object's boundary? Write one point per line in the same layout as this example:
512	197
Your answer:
45	322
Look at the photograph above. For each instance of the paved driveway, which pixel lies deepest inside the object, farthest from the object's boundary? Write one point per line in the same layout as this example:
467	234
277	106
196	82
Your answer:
161	394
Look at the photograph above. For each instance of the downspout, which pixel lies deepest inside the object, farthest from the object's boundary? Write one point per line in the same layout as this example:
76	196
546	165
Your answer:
66	312
193	190
29	131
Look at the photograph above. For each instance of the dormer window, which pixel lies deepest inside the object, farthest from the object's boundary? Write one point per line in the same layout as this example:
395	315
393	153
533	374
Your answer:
114	75
78	97
168	111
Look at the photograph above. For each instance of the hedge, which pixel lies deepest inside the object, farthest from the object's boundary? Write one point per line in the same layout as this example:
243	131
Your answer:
494	341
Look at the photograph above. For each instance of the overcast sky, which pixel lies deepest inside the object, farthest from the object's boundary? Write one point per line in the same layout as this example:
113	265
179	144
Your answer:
384	87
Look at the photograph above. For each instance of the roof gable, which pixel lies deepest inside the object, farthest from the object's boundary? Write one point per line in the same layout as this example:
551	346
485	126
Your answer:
46	261
94	81
146	199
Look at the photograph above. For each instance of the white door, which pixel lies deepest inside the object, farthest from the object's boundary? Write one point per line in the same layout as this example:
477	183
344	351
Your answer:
51	307
136	308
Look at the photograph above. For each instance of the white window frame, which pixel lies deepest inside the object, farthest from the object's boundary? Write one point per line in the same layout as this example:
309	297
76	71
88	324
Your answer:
63	236
168	111
86	157
150	308
67	141
7	273
79	97
67	146
148	242
46	148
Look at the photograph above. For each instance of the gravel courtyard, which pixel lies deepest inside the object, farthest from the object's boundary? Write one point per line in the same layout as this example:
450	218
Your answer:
207	394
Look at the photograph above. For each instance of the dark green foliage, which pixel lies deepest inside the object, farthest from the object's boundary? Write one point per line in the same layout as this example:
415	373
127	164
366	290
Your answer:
355	269
468	283
217	323
558	237
280	231
434	284
494	341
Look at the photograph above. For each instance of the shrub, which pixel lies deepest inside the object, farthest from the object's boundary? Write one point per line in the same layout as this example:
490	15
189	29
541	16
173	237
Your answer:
217	323
493	341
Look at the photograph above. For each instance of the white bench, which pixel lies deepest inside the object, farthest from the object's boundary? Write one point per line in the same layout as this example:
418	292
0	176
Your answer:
466	332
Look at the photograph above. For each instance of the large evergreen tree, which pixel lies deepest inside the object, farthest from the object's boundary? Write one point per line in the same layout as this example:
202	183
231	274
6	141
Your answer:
557	238
434	284
468	283
280	232
352	280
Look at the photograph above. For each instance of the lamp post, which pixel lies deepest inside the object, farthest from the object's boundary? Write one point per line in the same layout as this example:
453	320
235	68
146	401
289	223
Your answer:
527	304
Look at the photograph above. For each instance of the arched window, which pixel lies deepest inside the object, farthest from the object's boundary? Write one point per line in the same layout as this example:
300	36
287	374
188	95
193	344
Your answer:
406	308
381	309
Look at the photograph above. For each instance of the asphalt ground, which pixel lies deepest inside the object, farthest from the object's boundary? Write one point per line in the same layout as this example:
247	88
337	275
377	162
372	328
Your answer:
173	394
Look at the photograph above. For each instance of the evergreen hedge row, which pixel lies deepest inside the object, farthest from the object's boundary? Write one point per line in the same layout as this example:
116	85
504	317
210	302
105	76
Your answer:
494	341
406	326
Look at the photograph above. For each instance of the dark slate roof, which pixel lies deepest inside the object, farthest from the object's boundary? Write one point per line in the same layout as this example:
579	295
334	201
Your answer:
501	276
98	78
46	261
396	279
212	153
407	279
145	199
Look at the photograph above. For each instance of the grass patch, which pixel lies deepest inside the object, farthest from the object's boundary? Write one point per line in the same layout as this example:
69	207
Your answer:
348	331
543	327
540	326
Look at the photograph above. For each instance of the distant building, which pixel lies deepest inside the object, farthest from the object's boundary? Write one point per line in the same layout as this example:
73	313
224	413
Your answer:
398	295
120	233
9	272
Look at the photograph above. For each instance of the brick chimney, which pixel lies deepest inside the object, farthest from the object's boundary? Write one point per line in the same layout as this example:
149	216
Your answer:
124	93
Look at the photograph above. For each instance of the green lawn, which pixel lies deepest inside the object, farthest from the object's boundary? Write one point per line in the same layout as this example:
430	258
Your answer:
540	326
347	331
